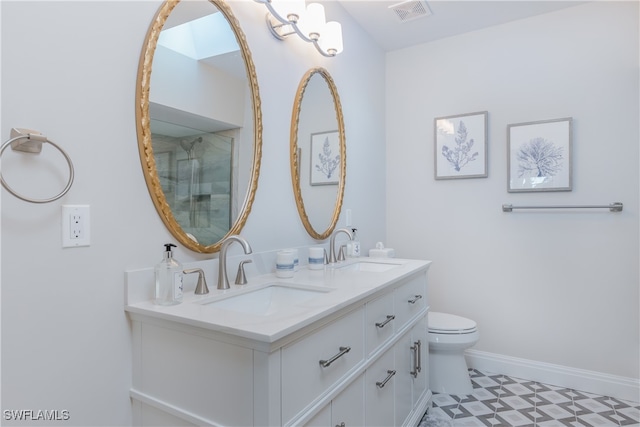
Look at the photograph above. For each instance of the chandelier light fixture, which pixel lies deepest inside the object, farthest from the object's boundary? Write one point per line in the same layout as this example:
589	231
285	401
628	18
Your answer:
286	17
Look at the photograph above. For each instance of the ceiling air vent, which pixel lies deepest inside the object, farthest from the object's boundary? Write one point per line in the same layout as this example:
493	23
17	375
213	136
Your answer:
410	9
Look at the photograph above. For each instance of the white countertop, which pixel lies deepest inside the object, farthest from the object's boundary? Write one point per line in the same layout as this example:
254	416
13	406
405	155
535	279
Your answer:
346	287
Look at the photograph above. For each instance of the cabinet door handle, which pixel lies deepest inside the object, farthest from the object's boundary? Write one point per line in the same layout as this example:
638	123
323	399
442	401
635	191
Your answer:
390	317
413	301
343	351
342	424
417	358
382	383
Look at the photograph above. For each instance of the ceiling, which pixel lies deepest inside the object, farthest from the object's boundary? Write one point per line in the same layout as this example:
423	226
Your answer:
447	18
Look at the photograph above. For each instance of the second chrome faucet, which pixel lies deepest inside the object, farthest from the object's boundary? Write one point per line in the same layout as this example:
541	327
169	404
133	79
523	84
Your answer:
332	243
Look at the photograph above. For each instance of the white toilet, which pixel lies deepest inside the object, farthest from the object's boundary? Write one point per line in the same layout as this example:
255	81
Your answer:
449	337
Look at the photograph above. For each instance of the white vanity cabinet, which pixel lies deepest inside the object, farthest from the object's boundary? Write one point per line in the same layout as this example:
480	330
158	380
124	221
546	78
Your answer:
362	364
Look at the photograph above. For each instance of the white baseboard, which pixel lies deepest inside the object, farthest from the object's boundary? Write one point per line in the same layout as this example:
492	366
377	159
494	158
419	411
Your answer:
562	376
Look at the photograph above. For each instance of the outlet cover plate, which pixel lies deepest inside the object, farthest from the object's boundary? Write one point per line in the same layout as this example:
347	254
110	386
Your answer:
76	226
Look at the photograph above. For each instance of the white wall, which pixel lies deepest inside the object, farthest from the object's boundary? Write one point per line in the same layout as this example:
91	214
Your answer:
69	71
557	287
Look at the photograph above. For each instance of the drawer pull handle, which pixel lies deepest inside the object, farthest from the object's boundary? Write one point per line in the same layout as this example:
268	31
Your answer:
390	317
343	351
417	358
342	424
382	383
413	301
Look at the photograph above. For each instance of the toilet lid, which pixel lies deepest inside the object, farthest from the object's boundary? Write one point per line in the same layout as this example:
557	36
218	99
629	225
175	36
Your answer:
444	323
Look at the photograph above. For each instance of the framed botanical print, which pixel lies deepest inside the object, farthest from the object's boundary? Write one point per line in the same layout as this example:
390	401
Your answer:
461	146
539	156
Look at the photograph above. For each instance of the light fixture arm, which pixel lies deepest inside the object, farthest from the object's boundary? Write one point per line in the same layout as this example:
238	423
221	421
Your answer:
281	27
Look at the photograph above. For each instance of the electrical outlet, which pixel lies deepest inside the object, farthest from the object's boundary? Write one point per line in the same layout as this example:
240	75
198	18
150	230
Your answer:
75	226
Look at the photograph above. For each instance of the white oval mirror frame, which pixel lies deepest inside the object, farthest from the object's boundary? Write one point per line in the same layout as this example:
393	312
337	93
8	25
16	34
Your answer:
318	153
143	124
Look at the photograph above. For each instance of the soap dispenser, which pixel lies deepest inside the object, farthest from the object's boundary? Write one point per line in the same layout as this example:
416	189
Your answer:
168	279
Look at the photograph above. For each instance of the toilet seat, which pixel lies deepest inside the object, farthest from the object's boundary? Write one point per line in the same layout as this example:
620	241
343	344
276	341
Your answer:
450	324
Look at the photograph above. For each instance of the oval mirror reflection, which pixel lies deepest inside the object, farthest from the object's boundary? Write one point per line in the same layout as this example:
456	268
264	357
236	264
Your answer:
199	122
318	153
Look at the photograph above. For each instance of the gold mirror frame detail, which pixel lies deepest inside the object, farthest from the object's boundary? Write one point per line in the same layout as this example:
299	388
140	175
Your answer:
294	153
144	127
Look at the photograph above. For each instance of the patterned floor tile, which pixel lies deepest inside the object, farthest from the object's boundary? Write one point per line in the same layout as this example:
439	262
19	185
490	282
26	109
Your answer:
551	423
483	394
503	401
631	413
444	400
553	397
598	420
592	405
518	389
517	403
556	412
514	418
478	408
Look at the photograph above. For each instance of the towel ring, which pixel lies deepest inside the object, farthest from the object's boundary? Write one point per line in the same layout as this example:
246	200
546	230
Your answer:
33	144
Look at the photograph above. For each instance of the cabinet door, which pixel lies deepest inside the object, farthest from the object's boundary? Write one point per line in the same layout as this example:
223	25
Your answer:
347	409
380	388
412	354
420	382
322	418
404	379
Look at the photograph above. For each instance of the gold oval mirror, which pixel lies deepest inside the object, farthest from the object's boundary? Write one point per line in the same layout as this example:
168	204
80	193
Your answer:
318	153
199	122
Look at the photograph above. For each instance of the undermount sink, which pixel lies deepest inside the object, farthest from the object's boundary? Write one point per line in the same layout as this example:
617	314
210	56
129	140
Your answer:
372	266
266	300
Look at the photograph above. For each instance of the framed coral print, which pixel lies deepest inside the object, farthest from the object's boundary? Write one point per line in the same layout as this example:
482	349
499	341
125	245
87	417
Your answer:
325	158
539	156
461	146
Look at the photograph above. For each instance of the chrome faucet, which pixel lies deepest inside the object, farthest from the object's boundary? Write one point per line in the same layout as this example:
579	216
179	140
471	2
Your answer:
223	280
332	243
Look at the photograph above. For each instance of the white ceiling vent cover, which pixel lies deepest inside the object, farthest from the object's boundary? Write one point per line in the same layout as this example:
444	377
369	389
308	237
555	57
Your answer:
410	9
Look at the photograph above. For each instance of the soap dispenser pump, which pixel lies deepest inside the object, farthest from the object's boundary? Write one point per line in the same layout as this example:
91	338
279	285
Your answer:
169	275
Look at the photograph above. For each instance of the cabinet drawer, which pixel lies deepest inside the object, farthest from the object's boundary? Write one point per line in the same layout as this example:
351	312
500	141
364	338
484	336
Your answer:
410	299
379	323
303	376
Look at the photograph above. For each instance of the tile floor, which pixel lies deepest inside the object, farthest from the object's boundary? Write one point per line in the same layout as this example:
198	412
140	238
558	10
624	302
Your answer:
499	400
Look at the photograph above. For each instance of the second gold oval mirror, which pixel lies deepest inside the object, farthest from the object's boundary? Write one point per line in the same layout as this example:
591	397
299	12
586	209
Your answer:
199	122
318	153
